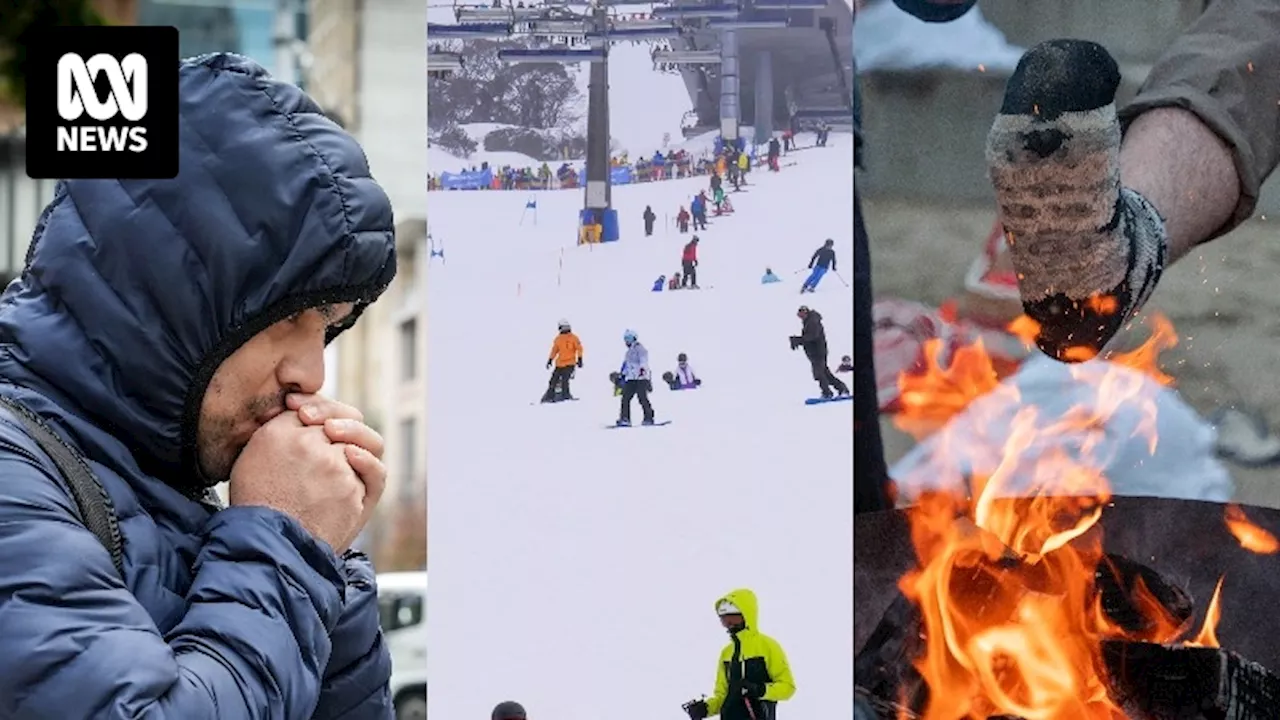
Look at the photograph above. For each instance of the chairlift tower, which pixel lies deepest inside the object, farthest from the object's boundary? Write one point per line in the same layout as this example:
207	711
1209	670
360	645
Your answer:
576	31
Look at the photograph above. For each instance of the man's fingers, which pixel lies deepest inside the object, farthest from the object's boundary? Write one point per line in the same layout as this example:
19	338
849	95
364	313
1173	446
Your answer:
371	471
315	409
354	432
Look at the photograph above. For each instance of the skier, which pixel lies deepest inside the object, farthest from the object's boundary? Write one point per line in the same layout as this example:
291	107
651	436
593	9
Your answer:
649	219
716	183
752	674
635	380
744	166
699	209
824	259
813	338
683	378
682	220
566	354
774	152
689	264
509	710
769	277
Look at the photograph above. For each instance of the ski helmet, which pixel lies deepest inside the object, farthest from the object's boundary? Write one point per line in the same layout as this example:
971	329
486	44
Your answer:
629	336
682	358
563	325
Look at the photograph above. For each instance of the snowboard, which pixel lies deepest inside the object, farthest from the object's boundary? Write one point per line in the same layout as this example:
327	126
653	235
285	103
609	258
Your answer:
554	402
660	423
821	400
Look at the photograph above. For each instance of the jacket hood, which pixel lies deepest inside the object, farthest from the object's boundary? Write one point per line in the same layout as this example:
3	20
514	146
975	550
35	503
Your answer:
744	600
135	291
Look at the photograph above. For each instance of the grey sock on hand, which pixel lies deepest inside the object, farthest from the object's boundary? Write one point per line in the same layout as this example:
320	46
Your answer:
1088	252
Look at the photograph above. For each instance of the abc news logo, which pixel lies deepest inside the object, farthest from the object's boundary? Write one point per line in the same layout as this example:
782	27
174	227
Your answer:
102	103
126	98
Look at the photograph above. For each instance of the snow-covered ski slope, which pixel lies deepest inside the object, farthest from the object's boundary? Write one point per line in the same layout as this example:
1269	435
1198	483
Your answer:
574	569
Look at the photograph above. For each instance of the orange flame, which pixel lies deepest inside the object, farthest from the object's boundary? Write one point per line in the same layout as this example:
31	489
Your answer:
1005	582
1208	635
1250	536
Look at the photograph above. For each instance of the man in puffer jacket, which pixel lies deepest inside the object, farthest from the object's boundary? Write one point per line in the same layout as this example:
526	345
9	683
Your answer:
126	589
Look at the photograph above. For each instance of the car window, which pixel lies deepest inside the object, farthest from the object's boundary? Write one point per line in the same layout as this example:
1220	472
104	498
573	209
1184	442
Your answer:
399	610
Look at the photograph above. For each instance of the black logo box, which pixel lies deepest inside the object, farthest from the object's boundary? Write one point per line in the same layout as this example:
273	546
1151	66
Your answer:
159	161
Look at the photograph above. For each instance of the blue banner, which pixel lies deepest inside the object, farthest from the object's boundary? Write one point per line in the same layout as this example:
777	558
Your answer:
467	180
618	175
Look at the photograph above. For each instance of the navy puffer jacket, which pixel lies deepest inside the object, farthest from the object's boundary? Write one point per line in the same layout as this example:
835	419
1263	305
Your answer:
134	292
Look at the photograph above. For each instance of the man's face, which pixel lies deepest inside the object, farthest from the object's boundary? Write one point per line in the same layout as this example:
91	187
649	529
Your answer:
732	621
249	387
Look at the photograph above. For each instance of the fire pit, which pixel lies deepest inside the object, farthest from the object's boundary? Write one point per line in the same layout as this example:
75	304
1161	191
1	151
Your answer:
1158	567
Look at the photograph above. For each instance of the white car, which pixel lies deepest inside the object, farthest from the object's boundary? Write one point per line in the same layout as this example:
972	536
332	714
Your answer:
402	604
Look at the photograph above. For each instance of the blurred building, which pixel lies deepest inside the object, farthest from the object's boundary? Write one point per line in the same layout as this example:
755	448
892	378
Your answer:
367	66
248	27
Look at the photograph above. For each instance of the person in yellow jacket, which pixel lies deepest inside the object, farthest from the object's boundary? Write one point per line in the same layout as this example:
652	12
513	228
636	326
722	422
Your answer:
752	676
566	354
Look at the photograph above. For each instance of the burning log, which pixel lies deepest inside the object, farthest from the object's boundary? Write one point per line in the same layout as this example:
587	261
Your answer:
883	669
1157	682
1130	595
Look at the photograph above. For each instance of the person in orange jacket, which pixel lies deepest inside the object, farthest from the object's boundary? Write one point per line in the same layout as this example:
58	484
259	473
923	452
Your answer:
566	354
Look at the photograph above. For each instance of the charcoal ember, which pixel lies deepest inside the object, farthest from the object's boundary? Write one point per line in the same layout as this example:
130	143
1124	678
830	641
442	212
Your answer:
1159	682
1117	581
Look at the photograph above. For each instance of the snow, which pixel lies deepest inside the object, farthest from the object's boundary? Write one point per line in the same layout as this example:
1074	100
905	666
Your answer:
574	568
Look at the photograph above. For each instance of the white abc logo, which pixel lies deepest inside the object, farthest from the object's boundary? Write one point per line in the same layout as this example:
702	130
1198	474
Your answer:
77	95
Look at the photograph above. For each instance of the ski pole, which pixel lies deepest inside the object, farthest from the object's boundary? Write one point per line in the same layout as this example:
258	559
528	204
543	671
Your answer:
838	275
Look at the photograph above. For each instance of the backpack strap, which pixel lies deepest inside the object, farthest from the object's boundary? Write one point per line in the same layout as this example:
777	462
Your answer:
96	510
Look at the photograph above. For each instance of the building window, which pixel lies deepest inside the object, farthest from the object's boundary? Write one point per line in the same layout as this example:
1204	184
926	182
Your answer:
409	349
408	455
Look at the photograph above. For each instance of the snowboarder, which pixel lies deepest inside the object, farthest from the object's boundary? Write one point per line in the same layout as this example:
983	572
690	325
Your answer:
636	382
659	283
769	277
689	264
566	355
682	220
509	710
752	675
683	378
824	259
649	219
774	152
813	338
